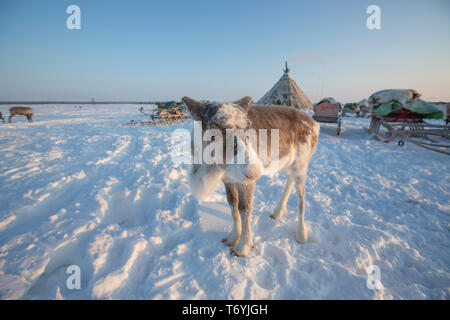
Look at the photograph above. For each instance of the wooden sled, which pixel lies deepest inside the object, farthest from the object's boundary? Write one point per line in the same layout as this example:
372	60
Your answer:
337	120
328	112
426	135
161	117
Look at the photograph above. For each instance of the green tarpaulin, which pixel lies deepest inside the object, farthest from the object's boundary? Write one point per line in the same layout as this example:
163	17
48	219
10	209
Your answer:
426	109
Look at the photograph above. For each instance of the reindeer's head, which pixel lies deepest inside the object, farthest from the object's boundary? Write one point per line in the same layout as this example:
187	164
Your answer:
218	122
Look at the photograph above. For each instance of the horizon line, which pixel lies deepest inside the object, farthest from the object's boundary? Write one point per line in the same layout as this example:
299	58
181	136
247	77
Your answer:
83	102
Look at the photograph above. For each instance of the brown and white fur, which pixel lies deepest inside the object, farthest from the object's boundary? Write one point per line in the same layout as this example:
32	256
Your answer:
26	111
298	136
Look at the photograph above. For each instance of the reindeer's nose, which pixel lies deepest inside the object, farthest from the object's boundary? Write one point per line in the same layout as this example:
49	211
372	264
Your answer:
253	173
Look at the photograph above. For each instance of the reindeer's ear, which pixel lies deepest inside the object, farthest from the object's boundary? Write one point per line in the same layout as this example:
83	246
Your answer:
195	107
245	102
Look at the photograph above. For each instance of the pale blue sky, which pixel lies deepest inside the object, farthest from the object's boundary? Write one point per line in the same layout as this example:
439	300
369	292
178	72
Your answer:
221	50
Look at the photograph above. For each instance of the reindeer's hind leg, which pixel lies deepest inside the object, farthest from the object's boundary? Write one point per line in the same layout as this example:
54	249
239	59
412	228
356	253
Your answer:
10	117
245	205
281	207
302	233
232	196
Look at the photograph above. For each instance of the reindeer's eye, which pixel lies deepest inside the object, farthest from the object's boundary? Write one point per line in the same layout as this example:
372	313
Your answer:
213	138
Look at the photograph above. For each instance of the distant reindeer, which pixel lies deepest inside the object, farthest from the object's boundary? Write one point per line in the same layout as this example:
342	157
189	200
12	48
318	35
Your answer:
1	117
297	137
26	111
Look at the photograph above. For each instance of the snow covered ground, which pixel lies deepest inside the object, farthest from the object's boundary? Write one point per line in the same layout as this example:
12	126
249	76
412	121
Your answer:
78	187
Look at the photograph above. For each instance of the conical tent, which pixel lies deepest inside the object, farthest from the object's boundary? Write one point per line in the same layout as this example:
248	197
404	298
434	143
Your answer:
287	93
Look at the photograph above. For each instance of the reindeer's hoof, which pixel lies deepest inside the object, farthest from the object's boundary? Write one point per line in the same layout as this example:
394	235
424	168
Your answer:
237	254
240	252
277	214
232	239
230	243
301	236
301	241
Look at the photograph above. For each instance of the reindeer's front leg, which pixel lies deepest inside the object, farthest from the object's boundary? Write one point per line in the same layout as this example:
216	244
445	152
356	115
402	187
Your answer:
245	206
232	197
281	207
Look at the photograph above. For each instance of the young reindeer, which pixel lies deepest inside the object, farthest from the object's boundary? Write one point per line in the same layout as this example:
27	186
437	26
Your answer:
297	139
